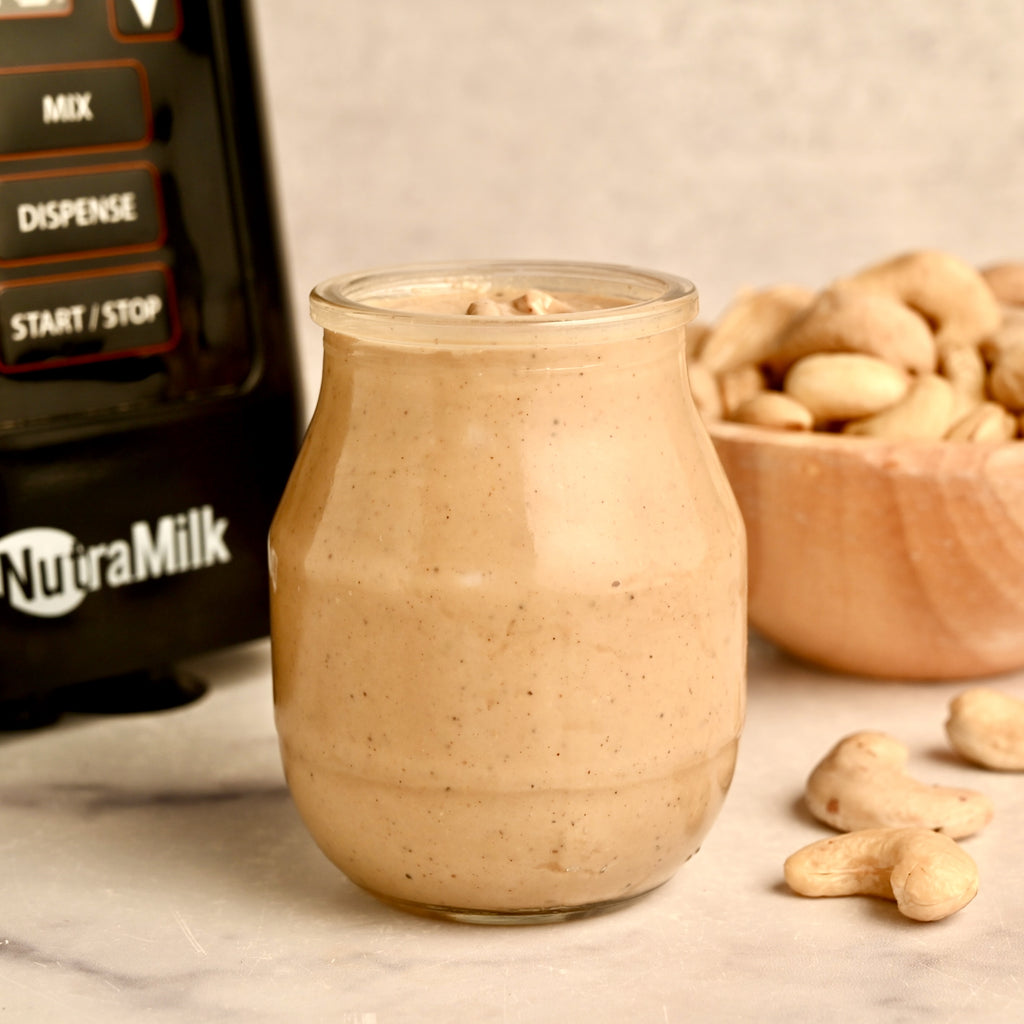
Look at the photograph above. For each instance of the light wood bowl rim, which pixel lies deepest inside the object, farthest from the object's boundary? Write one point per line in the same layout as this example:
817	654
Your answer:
897	455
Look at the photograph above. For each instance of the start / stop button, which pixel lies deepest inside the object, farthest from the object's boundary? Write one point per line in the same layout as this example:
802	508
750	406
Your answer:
69	319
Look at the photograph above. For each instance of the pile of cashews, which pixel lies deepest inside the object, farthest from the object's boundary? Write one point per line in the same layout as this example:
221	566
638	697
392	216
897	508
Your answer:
899	835
923	345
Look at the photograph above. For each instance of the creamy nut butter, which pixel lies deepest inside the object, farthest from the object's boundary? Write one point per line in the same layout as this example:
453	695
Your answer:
508	591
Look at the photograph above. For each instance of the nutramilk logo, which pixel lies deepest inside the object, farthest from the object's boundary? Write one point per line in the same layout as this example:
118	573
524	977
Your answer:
48	572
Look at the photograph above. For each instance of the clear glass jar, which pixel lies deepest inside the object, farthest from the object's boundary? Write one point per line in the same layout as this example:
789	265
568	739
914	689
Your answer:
508	594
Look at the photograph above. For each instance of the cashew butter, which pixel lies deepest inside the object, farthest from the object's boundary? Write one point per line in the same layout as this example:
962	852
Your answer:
508	592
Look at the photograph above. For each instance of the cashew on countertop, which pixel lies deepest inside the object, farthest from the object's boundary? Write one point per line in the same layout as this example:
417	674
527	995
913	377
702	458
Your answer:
986	727
862	783
926	873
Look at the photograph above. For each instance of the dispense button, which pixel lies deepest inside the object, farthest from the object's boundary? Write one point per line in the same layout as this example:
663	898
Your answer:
78	213
73	107
46	323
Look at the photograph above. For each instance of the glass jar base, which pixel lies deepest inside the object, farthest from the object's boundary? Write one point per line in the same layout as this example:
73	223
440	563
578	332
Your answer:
526	916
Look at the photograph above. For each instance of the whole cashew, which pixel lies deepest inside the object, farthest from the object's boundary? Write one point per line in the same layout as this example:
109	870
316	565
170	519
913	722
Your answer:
927	410
774	409
926	873
987	727
844	385
737	385
857	320
861	783
1006	378
748	327
697	332
987	422
704	389
945	290
1007	281
1009	334
964	367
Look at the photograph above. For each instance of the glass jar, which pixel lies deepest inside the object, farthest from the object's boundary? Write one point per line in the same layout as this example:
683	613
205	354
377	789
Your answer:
508	592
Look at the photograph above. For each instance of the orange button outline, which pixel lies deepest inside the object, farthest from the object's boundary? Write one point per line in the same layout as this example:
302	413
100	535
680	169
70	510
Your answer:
100	147
114	250
101	357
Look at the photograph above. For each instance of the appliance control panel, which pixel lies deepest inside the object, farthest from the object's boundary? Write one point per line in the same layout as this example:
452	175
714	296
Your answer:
123	237
149	412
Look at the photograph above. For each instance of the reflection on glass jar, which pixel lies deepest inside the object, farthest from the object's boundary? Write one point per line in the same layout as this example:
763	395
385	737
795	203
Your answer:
508	592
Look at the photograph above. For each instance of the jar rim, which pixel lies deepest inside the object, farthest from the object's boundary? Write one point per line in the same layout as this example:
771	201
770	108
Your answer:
651	302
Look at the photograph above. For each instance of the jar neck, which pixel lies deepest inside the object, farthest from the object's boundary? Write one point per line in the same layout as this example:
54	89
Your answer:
453	396
522	354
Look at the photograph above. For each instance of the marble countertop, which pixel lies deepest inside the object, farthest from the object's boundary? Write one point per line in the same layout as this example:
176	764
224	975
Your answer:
153	868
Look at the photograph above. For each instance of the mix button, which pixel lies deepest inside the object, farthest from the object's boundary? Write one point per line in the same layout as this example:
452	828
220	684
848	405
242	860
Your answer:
76	107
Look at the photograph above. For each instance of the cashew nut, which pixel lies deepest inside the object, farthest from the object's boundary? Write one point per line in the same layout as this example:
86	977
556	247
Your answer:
748	327
857	320
697	333
987	422
926	873
987	728
844	385
948	292
1009	334
1006	378
704	389
1007	282
533	300
964	367
861	783
926	411
486	307
774	409
739	384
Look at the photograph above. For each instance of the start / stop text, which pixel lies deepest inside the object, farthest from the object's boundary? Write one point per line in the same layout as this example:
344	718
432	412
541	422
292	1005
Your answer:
80	318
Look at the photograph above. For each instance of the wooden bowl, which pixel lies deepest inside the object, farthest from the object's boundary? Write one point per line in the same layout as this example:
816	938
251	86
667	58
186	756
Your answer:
895	559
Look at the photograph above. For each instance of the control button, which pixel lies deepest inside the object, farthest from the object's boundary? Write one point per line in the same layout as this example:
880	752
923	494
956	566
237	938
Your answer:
82	318
35	8
73	107
145	20
78	213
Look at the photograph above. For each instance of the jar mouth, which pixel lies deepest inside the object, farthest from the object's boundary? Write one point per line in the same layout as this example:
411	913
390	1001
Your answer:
380	304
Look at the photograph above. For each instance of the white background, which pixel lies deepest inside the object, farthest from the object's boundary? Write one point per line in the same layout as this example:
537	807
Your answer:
734	143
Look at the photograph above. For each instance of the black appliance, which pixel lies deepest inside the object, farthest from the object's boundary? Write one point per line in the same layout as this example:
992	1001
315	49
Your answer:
148	389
